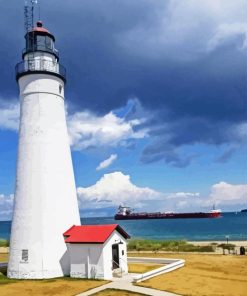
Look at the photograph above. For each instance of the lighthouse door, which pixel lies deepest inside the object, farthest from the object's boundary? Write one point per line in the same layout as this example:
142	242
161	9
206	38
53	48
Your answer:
115	256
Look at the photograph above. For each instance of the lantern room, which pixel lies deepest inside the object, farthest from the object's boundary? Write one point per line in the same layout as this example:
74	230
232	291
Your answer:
40	39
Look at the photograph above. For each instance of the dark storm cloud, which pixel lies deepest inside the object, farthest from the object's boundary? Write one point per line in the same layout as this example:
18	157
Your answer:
115	50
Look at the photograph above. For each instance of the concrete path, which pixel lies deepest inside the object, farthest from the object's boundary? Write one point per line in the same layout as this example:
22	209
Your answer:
125	283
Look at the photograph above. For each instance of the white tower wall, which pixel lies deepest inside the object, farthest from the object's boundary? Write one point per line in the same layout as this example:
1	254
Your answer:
45	195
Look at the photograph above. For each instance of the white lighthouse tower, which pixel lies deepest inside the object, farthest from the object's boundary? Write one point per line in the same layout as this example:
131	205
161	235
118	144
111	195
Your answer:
45	194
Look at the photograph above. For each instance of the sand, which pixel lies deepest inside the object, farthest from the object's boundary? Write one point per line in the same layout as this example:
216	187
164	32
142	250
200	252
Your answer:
203	275
206	243
4	249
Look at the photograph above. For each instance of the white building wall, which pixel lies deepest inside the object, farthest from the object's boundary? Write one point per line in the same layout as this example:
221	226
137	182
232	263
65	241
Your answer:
95	260
107	251
86	260
45	195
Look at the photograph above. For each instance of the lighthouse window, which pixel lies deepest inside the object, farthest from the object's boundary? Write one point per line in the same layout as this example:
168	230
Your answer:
48	42
29	42
41	40
60	88
24	255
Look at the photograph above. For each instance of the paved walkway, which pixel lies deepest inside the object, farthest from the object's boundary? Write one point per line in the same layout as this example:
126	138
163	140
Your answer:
125	283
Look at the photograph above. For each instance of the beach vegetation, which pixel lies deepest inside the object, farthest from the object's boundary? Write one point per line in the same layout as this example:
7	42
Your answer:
229	247
167	245
4	243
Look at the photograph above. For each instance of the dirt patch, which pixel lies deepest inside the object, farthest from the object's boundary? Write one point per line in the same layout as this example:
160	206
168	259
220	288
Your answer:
211	275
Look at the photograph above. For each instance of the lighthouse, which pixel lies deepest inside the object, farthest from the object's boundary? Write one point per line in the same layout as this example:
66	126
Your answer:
45	203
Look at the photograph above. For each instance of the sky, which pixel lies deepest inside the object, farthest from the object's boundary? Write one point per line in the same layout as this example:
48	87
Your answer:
156	101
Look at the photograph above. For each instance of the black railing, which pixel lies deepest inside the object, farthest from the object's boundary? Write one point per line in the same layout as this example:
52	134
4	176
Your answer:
40	66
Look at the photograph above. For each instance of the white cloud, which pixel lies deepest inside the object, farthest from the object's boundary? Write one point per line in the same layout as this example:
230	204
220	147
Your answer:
228	33
89	130
240	131
106	163
225	194
9	115
114	189
6	206
187	194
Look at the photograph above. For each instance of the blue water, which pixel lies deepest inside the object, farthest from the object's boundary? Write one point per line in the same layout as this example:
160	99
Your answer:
230	224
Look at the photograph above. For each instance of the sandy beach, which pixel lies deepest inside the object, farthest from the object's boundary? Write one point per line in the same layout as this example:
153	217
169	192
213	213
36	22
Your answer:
4	250
205	243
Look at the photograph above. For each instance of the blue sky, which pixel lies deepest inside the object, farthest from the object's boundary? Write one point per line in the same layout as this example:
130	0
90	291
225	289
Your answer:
156	101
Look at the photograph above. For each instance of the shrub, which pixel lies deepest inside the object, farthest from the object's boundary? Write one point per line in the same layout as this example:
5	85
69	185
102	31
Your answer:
169	245
228	247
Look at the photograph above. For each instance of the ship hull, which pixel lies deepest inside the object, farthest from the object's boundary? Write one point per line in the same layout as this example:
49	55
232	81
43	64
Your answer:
166	216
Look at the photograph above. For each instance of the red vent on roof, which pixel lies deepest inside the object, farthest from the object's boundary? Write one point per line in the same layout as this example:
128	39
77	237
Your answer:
92	233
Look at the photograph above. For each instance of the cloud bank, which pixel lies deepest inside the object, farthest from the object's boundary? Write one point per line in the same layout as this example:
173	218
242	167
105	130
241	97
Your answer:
86	129
113	189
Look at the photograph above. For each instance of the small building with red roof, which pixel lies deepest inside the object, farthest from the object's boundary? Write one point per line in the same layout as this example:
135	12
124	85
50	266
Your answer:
97	251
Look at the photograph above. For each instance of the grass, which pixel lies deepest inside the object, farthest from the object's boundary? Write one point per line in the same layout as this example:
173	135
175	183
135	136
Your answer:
4	243
116	292
60	286
141	268
203	275
165	245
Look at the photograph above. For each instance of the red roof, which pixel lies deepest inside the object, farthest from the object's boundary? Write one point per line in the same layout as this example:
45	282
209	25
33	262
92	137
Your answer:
40	29
92	233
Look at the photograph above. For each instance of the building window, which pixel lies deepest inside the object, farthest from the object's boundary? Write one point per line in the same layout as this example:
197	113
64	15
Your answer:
60	88
24	255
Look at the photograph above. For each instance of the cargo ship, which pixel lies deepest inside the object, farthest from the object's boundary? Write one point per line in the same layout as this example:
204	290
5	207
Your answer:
126	213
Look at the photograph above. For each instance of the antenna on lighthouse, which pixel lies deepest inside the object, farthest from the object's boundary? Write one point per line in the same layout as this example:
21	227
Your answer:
29	7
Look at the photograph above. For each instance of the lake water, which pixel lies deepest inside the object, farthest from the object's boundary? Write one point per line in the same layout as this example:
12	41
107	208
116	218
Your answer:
233	225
